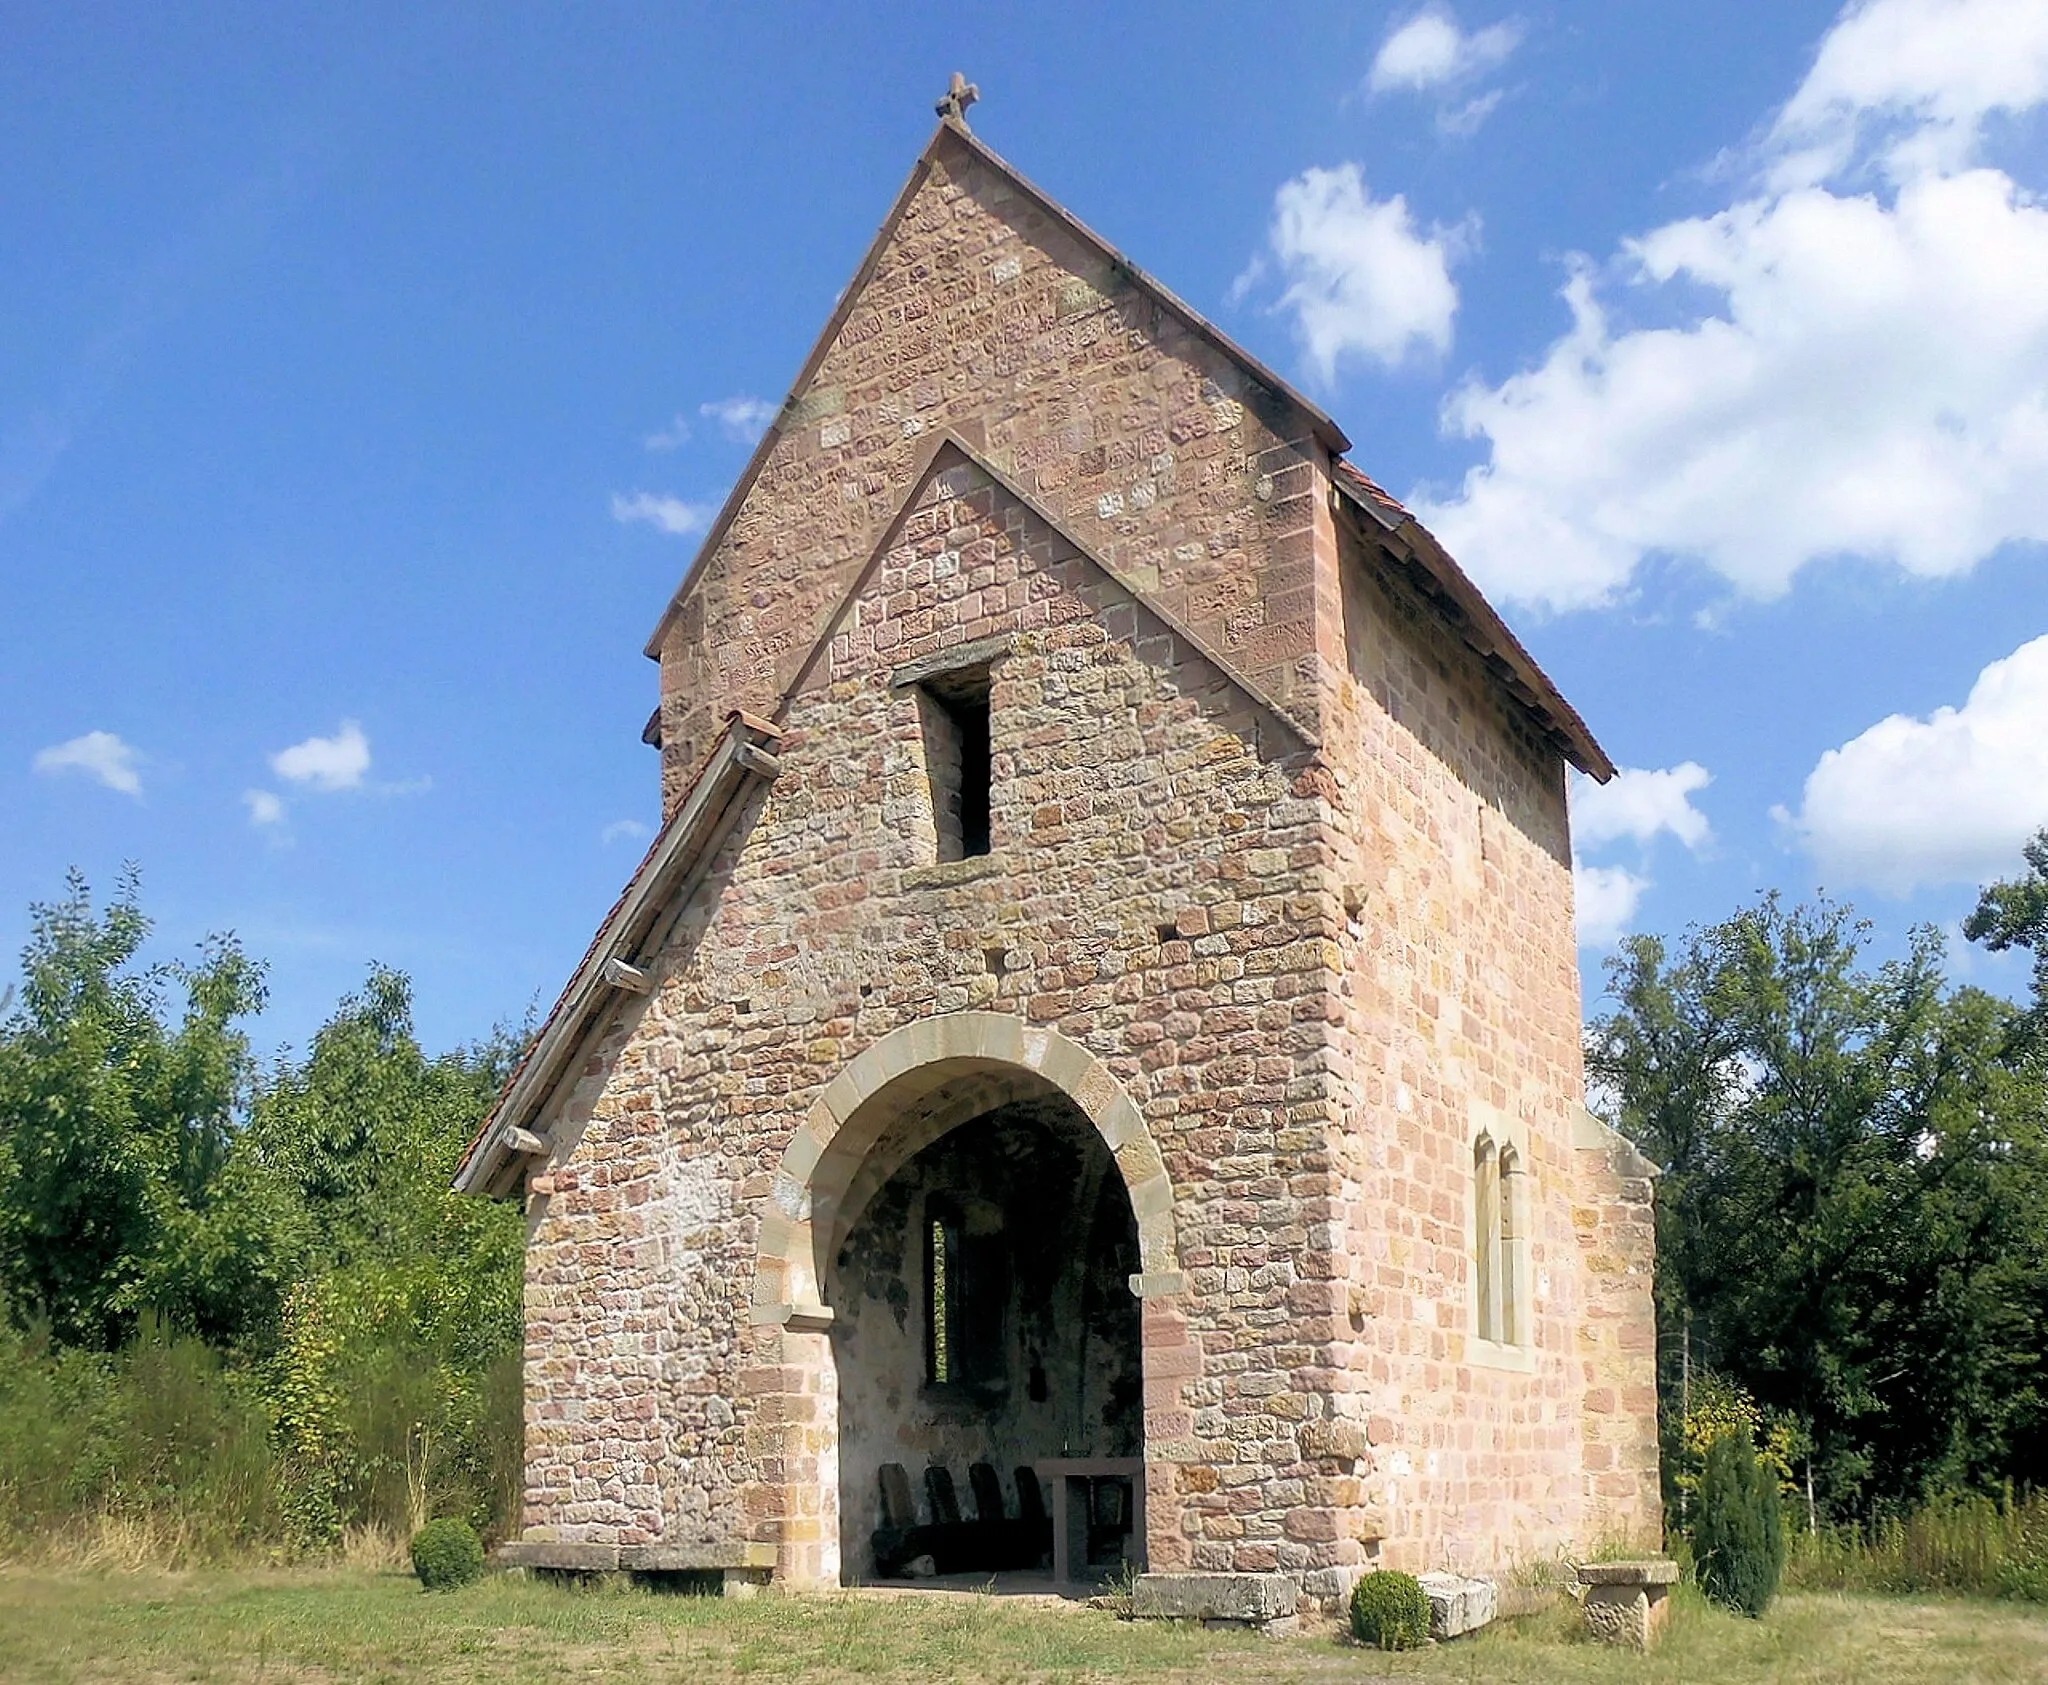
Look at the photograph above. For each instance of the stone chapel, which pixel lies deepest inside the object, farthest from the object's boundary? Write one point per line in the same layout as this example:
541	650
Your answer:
1101	1013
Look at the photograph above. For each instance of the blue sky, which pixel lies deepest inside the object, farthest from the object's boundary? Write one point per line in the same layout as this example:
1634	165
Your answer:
356	364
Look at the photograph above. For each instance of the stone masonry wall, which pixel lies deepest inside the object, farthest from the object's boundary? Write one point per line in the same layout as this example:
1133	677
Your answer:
1614	1220
986	314
1459	1012
1153	892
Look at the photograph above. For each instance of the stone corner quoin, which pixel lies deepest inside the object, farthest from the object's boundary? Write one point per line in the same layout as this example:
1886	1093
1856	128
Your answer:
1106	989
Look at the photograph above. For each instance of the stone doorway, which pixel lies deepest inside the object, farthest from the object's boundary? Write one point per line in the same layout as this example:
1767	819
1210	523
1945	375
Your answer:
899	1096
987	1345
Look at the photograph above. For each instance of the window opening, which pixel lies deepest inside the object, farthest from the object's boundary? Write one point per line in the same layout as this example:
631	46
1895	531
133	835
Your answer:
942	1250
1510	1197
1486	1236
953	709
966	1290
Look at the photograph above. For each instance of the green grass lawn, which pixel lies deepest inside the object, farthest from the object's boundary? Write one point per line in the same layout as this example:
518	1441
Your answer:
59	1628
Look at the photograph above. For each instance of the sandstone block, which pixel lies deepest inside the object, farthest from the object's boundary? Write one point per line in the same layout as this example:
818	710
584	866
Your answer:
1233	1599
1458	1605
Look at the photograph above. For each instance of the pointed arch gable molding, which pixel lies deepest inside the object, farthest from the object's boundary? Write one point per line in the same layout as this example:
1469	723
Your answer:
822	1158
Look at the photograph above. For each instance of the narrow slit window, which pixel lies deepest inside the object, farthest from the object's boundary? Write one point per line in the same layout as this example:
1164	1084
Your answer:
953	710
966	1292
942	1251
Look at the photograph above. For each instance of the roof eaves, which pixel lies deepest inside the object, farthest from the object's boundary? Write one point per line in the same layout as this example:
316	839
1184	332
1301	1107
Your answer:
741	757
1477	621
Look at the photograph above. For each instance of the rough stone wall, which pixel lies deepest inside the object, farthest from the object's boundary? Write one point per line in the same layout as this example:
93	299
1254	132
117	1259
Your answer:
1459	1011
986	314
1152	894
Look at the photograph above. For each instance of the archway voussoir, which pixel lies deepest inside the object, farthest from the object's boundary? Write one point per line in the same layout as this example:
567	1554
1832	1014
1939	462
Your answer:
1158	1253
1152	1198
791	1194
801	1156
1098	1095
1066	1065
998	1036
841	1098
1119	1123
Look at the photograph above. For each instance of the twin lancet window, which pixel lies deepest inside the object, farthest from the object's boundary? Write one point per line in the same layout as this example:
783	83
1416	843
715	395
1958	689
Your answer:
952	711
1500	1264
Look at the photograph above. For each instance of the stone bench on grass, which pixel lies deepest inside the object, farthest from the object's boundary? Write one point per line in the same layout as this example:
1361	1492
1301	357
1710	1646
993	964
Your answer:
1627	1602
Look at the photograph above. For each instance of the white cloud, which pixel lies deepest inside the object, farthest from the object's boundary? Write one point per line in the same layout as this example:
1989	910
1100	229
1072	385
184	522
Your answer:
742	419
266	807
326	763
1947	799
665	514
1868	376
1362	280
1638	803
1605	899
99	755
1463	120
1430	50
672	437
622	830
1931	69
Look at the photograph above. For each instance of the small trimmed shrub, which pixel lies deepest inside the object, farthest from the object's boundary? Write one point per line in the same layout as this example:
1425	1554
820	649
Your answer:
1390	1610
446	1554
1738	1542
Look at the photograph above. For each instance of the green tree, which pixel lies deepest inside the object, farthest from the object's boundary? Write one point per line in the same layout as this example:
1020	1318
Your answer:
396	1379
2013	913
1850	1225
119	1191
1738	1541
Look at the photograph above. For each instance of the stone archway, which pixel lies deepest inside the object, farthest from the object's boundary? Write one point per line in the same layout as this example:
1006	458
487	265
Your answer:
939	1072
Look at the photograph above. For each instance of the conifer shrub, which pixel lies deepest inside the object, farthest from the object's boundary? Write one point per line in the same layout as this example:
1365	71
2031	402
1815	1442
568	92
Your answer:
1390	1610
446	1554
1738	1544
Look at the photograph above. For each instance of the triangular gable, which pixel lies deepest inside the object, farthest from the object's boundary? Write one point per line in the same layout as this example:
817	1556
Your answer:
947	450
951	130
668	874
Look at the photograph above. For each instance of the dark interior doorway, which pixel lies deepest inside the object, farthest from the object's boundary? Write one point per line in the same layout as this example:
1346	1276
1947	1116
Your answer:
983	1326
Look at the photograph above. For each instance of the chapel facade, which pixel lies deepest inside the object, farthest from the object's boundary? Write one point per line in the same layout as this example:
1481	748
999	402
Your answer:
1103	996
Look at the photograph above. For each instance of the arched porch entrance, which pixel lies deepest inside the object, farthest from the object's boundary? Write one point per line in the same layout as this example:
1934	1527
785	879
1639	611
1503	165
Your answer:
950	1273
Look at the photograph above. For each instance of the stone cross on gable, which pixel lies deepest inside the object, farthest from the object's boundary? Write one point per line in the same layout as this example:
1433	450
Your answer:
959	95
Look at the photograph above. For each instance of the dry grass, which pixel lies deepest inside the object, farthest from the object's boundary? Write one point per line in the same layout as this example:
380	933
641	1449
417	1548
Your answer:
222	1628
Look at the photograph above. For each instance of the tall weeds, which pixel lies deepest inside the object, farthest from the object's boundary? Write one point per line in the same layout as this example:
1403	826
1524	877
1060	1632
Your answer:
162	1454
1976	1545
154	1453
